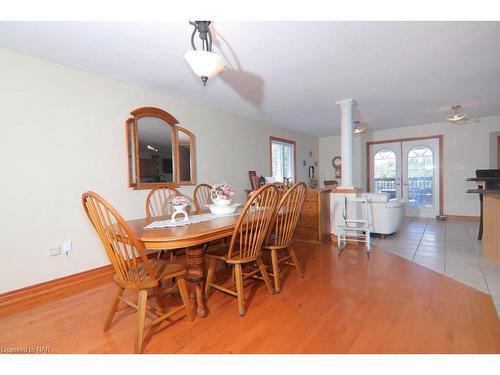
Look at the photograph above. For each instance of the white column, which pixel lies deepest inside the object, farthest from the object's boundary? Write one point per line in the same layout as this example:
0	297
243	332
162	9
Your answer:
346	142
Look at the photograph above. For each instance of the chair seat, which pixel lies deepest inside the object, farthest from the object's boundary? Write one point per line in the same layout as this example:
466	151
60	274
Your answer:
273	239
165	270
219	253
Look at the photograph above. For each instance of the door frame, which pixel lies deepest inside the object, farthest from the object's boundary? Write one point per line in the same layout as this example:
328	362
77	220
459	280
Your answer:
439	137
498	151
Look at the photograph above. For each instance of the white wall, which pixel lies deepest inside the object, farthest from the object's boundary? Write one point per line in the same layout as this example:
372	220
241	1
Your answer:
494	149
62	133
466	148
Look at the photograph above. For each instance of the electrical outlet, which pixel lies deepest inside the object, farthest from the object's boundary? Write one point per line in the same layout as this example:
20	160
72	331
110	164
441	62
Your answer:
66	247
54	250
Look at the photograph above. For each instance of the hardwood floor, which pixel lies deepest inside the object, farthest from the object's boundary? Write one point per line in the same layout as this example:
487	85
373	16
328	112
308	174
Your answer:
347	304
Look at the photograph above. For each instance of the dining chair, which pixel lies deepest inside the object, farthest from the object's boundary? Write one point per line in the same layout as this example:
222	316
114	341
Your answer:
282	229
158	201
133	269
158	204
201	197
245	247
280	187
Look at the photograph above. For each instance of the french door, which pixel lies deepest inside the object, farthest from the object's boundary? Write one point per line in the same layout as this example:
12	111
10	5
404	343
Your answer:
408	170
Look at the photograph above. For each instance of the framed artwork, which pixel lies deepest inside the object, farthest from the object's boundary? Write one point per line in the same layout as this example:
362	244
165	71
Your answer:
255	182
253	174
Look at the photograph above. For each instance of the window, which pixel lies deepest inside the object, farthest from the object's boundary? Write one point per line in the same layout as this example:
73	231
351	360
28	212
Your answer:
282	159
385	172
420	177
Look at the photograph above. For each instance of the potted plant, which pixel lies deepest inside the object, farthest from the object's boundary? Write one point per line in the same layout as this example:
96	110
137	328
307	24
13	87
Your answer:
221	194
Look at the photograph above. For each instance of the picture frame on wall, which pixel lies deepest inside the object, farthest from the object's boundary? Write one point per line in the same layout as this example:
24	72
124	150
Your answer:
253	183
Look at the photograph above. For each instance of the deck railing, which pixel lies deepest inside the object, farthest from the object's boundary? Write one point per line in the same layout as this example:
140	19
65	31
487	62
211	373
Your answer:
419	190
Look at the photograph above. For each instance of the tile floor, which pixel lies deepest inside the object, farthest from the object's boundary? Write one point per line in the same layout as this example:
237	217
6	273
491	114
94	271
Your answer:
450	248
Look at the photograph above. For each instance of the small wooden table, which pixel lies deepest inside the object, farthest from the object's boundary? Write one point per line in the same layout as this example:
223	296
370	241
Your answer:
192	237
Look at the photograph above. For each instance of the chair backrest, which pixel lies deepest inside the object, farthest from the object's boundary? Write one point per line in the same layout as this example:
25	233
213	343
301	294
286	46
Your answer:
158	202
123	249
252	226
201	197
281	188
287	215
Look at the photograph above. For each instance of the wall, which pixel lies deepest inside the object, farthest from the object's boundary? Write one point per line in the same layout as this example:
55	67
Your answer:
63	133
494	150
466	148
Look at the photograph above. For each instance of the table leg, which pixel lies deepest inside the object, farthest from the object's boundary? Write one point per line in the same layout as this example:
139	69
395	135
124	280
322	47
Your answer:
195	275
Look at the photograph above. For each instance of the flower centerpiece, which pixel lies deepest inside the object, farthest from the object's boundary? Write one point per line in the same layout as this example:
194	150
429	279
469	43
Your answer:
221	194
179	202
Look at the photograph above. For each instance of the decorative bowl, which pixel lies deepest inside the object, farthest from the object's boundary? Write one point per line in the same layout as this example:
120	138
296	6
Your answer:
223	210
222	202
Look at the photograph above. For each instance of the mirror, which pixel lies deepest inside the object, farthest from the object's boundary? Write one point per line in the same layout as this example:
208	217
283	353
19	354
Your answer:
131	141
185	156
156	160
159	152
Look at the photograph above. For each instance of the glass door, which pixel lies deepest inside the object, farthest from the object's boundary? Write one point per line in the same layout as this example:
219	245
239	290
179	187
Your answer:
385	169
421	177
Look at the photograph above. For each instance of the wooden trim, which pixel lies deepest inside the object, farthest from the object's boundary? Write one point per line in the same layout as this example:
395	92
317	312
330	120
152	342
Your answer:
441	147
34	295
462	217
346	191
130	123
498	151
284	140
441	175
153	111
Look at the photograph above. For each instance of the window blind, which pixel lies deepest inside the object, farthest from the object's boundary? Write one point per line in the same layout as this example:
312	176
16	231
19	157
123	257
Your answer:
282	160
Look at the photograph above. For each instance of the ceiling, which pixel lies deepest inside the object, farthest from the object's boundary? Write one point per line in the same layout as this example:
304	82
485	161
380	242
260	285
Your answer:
292	73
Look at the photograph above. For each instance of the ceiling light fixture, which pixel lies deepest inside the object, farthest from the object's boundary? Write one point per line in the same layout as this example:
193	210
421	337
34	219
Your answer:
357	129
149	147
458	117
204	62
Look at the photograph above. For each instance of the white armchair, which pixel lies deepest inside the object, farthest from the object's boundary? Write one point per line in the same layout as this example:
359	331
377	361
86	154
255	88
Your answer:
384	216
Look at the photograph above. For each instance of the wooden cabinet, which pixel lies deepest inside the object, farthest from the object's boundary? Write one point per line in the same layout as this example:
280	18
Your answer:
314	221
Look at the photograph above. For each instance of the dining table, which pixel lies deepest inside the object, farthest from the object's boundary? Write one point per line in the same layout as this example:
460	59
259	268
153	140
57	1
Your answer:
194	238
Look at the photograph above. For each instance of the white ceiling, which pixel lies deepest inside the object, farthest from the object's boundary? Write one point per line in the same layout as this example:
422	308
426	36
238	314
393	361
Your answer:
292	73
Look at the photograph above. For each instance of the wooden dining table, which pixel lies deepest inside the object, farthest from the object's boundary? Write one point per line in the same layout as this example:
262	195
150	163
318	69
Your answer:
193	238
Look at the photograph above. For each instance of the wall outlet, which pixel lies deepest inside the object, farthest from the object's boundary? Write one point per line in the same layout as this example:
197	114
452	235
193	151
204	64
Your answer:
66	247
54	250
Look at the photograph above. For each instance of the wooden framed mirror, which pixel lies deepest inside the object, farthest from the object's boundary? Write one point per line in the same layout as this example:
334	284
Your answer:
159	152
184	154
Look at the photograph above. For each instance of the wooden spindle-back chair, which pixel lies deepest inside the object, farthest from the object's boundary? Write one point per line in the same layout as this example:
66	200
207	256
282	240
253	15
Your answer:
158	201
280	187
246	244
201	197
133	269
283	227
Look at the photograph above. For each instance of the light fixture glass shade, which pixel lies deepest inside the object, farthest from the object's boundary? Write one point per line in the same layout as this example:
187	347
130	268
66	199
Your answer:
204	63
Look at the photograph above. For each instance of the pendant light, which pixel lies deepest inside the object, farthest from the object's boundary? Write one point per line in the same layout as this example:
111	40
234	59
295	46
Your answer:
458	117
204	63
357	129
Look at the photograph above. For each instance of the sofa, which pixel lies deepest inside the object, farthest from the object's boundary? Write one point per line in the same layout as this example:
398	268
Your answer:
385	216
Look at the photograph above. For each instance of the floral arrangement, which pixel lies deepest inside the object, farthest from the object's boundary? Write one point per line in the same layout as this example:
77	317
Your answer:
221	191
180	200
